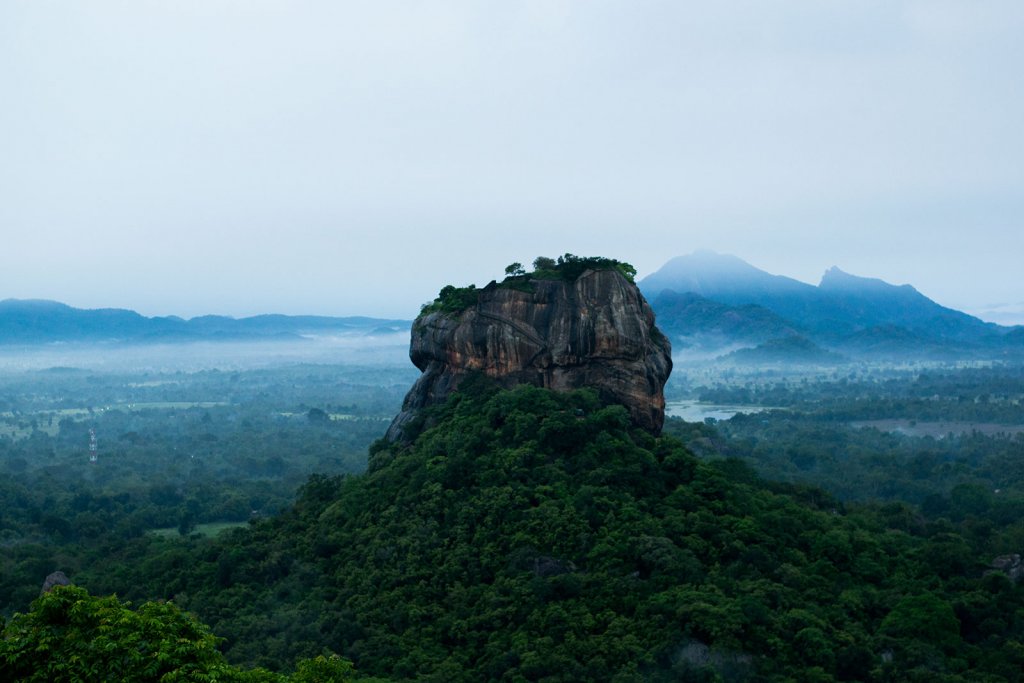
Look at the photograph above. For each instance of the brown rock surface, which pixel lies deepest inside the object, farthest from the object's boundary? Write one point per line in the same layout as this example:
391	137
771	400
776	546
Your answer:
597	332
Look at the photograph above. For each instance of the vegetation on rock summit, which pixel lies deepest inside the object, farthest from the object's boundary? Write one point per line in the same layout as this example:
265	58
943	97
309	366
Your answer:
567	267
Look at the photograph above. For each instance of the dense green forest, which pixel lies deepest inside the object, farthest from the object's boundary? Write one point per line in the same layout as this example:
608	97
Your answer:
977	391
911	436
176	452
525	535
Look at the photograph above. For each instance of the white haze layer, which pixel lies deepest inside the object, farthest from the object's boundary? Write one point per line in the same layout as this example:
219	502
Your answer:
343	158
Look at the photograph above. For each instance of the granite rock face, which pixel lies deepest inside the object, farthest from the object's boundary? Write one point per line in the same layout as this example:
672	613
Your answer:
596	332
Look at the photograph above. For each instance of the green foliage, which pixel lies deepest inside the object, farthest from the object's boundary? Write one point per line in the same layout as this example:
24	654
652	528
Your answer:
923	618
515	269
569	267
186	523
452	299
318	416
544	263
530	535
71	636
527	535
321	669
956	477
166	461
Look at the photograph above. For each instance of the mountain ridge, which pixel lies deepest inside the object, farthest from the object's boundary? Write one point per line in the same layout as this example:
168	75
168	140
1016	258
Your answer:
844	312
34	321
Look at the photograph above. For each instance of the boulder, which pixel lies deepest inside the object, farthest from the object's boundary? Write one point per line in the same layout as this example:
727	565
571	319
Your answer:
1010	565
55	579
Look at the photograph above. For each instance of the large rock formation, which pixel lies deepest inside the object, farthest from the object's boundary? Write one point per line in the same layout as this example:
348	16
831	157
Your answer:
596	331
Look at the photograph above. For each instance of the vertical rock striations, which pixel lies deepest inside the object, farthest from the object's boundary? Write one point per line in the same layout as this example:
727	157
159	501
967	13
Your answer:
596	331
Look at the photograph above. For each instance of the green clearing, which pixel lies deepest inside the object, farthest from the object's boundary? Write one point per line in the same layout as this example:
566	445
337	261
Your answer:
167	405
207	530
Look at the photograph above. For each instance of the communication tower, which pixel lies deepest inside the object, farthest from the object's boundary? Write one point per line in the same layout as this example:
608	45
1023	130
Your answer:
93	452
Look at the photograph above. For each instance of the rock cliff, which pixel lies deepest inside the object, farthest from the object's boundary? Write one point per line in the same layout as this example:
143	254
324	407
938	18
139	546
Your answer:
594	331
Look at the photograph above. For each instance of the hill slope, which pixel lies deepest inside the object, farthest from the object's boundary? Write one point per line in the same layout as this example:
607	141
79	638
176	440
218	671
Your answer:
702	321
531	535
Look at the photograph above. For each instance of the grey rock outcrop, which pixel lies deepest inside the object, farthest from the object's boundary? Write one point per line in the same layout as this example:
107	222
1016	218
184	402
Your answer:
1010	565
55	579
597	331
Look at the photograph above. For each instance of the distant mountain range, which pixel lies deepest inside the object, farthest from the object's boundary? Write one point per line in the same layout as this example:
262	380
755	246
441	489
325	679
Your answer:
707	303
708	300
38	321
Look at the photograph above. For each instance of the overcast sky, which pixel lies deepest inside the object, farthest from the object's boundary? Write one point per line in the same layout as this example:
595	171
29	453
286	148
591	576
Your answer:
331	157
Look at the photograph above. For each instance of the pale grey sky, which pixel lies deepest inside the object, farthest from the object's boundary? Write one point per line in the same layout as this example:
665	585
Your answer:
334	157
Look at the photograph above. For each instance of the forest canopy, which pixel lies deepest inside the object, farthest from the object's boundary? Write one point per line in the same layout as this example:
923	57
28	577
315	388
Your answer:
536	536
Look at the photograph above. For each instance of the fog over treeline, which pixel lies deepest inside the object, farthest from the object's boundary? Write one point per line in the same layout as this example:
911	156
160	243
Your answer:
387	350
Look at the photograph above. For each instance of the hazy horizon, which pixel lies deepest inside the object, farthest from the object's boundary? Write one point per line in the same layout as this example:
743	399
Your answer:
334	158
1007	314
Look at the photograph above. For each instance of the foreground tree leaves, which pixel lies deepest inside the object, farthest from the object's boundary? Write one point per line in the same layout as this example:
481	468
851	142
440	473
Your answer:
72	636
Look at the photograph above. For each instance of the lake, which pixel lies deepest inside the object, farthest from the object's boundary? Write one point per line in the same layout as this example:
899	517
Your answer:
696	411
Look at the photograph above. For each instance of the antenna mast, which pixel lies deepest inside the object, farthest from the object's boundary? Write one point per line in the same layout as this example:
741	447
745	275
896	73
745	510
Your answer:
93	453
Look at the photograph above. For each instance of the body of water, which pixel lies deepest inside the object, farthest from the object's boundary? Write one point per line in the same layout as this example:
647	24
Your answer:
696	411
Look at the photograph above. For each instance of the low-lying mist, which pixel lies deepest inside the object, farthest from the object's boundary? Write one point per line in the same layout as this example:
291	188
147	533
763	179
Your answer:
344	349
